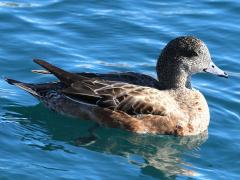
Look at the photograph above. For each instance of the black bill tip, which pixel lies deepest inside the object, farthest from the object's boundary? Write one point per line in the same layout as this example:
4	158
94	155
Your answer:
225	75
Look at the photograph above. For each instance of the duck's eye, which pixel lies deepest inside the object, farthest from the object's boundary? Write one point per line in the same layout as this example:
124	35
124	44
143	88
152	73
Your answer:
190	54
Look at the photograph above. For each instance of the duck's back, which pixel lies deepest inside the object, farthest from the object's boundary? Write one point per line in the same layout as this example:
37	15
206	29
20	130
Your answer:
126	77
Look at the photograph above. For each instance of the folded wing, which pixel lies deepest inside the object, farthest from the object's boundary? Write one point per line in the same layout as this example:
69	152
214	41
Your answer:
114	95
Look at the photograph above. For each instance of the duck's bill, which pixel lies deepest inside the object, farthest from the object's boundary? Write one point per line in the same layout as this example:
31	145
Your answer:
213	69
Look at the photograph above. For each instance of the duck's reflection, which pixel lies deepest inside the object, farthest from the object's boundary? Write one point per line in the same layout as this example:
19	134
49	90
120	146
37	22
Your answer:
156	155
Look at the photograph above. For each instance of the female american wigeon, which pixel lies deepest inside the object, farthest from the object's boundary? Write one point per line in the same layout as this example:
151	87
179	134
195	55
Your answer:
134	101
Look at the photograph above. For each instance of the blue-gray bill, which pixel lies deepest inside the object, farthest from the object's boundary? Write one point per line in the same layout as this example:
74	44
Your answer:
213	69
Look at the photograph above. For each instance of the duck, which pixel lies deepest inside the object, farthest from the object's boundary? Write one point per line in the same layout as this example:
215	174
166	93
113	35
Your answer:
133	101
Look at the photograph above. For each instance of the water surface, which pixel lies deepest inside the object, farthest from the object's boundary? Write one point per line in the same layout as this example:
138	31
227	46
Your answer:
106	36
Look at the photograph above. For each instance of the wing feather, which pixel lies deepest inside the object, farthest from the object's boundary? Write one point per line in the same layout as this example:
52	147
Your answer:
119	96
116	95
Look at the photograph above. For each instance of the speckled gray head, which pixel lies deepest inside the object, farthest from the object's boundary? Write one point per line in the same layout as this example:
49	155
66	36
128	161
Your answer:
183	57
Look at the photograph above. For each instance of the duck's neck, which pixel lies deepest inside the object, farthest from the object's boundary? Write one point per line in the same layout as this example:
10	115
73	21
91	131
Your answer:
174	79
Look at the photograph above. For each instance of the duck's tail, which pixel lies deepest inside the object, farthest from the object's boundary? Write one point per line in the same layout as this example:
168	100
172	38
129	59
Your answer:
37	71
30	88
65	77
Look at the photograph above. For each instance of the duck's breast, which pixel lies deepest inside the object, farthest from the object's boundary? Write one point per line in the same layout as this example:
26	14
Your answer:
195	109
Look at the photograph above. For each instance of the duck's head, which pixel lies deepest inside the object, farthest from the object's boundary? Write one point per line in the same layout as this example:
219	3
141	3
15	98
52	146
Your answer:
183	57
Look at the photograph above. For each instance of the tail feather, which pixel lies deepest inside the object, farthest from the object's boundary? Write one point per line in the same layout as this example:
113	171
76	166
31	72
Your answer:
27	87
40	71
65	77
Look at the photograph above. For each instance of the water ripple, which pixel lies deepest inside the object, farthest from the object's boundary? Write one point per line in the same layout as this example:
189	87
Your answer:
99	36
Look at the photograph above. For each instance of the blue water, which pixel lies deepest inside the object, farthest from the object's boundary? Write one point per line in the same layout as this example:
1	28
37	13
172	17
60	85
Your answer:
106	36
